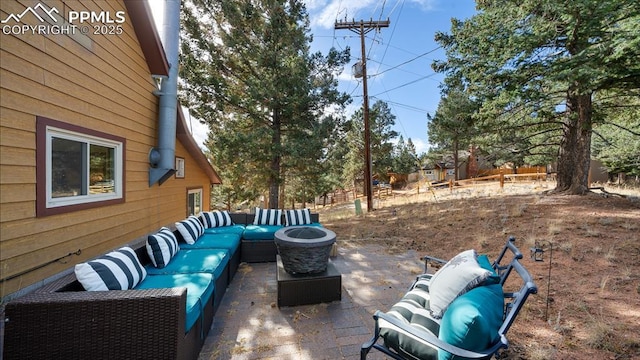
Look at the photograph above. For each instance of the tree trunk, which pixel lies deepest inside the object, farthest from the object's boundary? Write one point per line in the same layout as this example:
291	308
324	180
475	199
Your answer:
455	159
274	176
575	148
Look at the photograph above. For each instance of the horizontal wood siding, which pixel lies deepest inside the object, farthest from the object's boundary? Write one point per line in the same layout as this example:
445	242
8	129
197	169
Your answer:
105	87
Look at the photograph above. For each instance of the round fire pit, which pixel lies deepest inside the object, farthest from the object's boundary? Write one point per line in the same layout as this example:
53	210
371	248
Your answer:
304	249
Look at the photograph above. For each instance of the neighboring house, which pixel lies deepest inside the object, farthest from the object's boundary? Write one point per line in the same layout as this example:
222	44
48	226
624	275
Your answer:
78	119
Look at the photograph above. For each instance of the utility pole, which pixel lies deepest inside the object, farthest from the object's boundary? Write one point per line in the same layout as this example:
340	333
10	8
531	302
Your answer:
361	27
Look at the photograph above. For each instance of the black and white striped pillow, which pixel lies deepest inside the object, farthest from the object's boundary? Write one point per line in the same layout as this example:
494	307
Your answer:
267	217
297	217
117	270
213	219
412	311
190	229
161	247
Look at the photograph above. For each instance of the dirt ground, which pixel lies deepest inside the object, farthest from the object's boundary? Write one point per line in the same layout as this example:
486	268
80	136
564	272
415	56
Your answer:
588	303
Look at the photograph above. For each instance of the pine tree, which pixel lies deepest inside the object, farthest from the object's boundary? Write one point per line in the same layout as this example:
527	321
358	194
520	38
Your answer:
247	72
535	66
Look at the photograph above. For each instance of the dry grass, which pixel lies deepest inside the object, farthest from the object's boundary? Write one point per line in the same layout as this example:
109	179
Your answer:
593	302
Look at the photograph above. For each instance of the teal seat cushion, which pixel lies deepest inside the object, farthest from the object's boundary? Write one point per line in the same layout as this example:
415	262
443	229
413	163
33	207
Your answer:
232	229
472	320
313	224
199	286
260	232
211	261
229	241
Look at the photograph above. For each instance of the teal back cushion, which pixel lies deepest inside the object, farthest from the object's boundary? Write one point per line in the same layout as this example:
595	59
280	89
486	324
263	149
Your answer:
472	320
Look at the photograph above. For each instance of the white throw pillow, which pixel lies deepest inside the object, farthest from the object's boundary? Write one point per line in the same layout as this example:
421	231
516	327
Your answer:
461	274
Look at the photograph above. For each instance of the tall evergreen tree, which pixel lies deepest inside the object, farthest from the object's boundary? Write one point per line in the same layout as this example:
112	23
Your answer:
535	66
453	127
381	121
617	138
248	73
405	158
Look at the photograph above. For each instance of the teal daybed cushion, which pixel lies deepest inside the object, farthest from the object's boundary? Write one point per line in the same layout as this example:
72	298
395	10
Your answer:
211	261
228	241
232	229
472	320
260	232
199	286
312	224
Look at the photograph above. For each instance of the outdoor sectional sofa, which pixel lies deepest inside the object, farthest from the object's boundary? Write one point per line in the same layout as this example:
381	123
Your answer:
163	315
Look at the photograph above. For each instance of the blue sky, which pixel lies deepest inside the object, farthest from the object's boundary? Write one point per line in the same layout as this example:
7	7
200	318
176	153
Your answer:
399	57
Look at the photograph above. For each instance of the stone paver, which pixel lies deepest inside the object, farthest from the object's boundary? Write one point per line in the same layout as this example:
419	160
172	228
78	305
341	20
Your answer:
249	325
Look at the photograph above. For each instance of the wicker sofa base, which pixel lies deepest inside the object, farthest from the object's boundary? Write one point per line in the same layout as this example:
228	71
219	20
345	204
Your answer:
74	324
234	263
253	251
62	321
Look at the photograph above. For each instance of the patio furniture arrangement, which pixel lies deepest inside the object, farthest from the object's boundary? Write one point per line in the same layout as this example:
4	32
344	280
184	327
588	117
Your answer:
464	310
154	299
304	249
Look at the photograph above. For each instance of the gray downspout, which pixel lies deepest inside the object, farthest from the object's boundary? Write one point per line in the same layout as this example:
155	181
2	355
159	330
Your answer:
162	158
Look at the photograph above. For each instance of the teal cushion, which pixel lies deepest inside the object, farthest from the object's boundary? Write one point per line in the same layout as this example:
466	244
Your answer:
483	261
199	286
229	241
233	229
472	320
314	224
260	232
211	261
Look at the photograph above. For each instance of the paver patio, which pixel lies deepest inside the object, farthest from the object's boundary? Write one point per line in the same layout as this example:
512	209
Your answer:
249	325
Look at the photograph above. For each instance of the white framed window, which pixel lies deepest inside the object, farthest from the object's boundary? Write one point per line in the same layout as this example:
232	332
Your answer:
82	168
194	201
179	168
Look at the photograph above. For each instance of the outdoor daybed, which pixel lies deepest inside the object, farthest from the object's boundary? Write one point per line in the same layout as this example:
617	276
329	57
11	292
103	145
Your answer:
463	311
153	300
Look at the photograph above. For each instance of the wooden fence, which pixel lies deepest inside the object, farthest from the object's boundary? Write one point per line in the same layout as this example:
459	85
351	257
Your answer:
382	192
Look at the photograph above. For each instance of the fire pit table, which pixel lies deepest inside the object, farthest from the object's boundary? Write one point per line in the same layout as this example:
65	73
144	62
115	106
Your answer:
305	274
304	249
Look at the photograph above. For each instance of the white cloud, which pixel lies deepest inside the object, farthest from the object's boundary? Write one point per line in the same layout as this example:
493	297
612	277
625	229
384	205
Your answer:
336	10
324	13
421	145
199	131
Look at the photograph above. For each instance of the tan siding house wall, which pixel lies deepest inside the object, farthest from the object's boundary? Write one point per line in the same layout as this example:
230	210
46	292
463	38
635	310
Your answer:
102	83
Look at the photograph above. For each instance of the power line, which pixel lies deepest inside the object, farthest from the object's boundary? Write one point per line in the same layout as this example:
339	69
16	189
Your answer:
409	83
390	37
405	106
408	61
